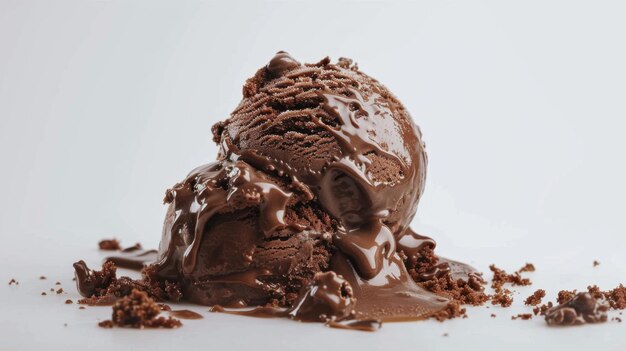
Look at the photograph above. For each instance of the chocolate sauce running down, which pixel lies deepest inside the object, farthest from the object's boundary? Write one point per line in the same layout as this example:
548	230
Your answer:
320	170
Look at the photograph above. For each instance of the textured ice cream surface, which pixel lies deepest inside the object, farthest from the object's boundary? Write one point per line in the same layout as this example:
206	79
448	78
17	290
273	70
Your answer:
320	169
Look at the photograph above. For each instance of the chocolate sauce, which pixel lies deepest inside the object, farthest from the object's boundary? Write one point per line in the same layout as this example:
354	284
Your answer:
134	258
185	314
281	63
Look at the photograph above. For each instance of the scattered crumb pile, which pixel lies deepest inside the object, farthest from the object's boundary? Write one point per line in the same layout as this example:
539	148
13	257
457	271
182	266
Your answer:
138	310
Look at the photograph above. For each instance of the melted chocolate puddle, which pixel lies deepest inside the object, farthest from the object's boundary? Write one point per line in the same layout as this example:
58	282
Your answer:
274	312
185	314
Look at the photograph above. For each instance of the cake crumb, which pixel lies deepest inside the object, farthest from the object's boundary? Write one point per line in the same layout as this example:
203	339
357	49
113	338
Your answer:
528	267
596	263
501	277
69	302
60	291
502	298
13	282
452	310
522	316
106	324
138	310
541	310
445	334
617	319
109	245
565	295
43	293
535	298
81	307
57	283
493	315
43	277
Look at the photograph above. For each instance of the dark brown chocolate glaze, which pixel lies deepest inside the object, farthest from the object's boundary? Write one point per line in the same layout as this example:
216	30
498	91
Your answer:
320	169
133	258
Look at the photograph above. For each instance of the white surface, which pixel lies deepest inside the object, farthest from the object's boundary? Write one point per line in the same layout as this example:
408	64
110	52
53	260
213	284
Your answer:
104	104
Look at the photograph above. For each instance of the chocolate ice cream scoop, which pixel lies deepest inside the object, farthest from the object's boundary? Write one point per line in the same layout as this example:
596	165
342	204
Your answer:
320	169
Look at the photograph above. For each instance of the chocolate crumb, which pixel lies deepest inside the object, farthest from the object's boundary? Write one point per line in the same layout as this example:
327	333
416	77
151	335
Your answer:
596	263
541	310
60	291
528	267
445	334
580	309
81	307
51	289
106	324
109	245
69	302
43	293
435	277
138	310
500	277
13	282
452	310
565	295
502	298
493	315
57	283
617	297
43	277
617	319
535	298
522	316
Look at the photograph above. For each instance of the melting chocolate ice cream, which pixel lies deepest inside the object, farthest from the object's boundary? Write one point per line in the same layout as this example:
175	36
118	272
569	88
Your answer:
308	205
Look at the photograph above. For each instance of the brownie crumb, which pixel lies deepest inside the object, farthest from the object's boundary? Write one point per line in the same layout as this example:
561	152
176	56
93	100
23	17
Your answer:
528	267
138	310
57	283
535	298
13	282
445	334
69	302
617	319
580	309
541	310
43	277
596	263
452	310
522	316
493	315
43	293
500	277
502	298
617	297
106	324
109	245
565	295
60	291
435	277
81	307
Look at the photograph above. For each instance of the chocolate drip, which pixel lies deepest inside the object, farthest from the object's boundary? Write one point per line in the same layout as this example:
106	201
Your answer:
134	259
185	314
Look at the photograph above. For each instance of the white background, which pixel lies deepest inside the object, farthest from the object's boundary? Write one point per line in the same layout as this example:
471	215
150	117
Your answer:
105	104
